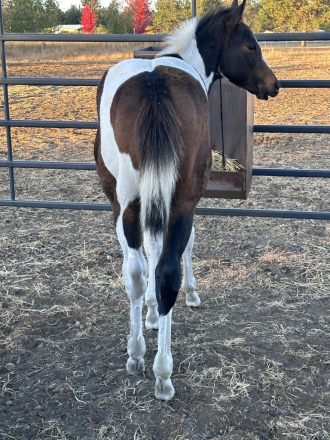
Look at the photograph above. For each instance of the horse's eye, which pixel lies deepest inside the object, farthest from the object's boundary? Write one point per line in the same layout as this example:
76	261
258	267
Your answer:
252	47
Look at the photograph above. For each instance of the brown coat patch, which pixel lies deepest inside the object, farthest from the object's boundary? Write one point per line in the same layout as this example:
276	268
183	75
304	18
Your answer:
190	103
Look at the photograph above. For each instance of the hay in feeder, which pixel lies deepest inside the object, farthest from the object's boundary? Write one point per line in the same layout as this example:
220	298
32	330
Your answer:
231	165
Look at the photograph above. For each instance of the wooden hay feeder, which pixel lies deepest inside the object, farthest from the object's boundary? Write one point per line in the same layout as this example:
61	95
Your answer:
236	141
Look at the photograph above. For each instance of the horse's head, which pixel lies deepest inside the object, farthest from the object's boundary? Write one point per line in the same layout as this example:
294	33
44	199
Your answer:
241	60
228	46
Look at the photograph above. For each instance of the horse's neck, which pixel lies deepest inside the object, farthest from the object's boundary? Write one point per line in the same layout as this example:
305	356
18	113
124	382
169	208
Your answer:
183	43
190	54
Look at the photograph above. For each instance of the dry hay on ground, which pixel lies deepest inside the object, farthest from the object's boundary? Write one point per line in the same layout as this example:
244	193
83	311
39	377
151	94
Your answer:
251	363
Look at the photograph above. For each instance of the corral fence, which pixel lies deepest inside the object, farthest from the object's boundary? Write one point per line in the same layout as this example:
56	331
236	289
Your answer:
150	38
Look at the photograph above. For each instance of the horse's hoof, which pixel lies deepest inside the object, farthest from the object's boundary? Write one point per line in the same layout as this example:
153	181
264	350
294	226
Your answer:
135	366
164	389
152	320
193	300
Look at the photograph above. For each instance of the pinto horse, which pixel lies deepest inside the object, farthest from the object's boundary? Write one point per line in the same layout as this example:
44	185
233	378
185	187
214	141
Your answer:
153	156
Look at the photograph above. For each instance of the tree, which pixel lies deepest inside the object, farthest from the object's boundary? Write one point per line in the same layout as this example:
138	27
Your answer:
140	13
251	14
93	4
293	15
88	20
169	14
72	15
33	16
205	5
114	20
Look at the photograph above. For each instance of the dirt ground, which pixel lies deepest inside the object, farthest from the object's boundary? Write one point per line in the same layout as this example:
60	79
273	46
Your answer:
253	362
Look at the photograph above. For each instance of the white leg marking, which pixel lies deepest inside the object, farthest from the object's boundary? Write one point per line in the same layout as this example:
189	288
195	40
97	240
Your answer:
163	364
189	282
153	247
134	270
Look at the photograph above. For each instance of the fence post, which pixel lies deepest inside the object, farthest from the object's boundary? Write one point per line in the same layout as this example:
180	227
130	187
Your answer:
193	8
6	105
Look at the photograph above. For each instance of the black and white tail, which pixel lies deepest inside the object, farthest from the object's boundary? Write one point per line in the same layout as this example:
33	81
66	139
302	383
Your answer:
159	146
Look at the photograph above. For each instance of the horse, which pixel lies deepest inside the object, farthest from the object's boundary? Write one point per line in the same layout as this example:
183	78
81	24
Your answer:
153	157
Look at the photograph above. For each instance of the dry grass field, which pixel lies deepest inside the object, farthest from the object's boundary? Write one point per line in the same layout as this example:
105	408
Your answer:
252	363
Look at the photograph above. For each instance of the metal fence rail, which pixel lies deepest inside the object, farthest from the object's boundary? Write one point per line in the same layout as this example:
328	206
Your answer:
8	123
153	38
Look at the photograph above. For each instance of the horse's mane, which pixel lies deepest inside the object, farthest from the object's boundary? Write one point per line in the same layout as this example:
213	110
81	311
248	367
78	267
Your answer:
175	43
210	16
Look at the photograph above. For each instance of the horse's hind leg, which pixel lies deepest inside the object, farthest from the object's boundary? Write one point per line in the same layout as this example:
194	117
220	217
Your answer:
163	364
134	273
153	247
168	280
189	282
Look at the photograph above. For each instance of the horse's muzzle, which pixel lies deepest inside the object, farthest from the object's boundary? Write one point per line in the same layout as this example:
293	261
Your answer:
266	91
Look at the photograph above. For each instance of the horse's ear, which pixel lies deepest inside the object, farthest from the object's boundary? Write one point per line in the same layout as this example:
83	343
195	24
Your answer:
237	13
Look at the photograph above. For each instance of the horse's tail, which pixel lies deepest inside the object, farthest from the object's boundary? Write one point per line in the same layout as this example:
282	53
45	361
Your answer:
159	146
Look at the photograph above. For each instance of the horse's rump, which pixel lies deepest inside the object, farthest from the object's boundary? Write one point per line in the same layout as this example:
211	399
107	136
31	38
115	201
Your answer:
160	118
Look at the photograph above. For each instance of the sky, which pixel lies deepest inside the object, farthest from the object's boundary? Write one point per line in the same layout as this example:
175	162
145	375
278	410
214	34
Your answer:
65	4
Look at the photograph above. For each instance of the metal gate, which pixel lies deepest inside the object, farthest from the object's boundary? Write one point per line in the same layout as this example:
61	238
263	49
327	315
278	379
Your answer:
8	123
